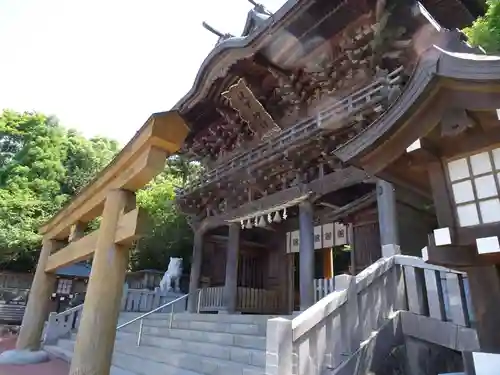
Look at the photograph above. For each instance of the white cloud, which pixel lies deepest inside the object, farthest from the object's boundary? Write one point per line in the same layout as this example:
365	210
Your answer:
104	66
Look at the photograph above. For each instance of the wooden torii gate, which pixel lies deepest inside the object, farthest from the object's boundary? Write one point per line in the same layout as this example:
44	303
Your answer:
112	197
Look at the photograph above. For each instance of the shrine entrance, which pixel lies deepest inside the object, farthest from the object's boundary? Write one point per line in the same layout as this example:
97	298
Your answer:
328	263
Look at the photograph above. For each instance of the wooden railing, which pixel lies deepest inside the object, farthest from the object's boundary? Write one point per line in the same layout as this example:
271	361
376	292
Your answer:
369	96
325	335
323	287
249	300
211	299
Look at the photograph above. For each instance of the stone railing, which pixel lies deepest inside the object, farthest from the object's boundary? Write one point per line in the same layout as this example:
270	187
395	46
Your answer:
325	335
14	296
144	300
134	300
62	324
12	304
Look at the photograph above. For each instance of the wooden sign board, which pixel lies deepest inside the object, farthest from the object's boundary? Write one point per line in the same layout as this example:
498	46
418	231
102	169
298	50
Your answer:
340	234
294	242
318	237
328	236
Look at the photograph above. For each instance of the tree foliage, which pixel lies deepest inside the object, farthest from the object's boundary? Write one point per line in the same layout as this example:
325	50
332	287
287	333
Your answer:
485	31
43	165
169	233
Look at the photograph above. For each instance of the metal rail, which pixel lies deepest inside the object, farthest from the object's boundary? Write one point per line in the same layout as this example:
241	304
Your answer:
351	105
145	315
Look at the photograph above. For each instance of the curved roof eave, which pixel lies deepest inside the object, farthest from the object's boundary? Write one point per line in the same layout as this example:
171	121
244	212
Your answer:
434	65
223	56
254	20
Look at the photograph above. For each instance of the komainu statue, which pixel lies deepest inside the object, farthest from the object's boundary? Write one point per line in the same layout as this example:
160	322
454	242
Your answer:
173	273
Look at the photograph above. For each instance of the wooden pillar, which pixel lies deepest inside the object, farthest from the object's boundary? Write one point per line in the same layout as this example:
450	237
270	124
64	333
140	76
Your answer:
484	284
350	241
306	254
231	284
328	263
39	298
194	280
96	334
387	217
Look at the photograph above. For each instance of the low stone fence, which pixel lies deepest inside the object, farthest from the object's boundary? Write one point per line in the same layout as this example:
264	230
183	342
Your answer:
12	305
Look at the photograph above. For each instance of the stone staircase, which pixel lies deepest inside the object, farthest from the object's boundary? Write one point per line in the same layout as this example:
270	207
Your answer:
397	304
196	344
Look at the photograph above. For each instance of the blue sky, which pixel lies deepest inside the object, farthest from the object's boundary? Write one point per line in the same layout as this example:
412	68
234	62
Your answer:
104	66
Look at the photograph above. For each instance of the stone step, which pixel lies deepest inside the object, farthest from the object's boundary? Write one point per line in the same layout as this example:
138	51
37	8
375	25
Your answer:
245	355
220	338
217	318
237	328
141	366
200	362
66	355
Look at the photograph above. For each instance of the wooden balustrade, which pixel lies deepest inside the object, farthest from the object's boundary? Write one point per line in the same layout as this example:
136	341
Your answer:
327	333
257	300
212	299
369	96
249	300
323	287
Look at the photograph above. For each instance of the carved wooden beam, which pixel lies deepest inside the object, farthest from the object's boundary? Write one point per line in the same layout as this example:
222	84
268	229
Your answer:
455	121
250	109
317	188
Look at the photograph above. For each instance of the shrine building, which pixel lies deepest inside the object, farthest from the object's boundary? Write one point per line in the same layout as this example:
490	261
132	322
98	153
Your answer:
283	204
331	134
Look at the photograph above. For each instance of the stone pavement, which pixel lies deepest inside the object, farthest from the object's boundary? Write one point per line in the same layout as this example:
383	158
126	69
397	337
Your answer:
53	367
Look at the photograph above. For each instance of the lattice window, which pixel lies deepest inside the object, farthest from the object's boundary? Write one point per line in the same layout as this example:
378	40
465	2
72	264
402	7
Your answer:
475	182
64	286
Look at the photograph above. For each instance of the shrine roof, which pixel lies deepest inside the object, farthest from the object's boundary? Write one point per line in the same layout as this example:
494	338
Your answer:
257	30
75	270
289	64
441	72
261	29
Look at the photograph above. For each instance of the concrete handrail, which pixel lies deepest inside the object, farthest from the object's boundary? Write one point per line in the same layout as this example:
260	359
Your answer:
327	333
143	316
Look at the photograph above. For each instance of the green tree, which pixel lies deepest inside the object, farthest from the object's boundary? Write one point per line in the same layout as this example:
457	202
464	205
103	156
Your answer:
85	159
42	165
169	233
485	31
182	170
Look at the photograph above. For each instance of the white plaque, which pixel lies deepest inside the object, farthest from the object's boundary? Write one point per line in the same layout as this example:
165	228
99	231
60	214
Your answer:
318	238
340	234
294	241
288	249
328	237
